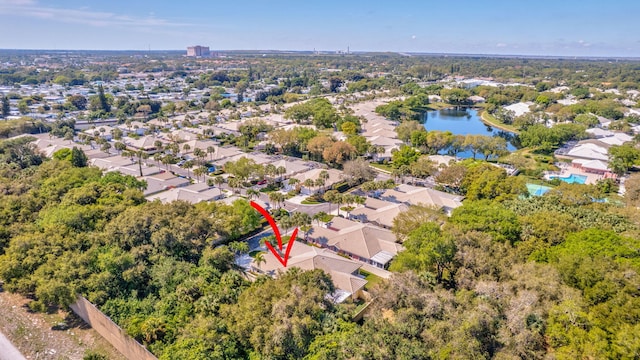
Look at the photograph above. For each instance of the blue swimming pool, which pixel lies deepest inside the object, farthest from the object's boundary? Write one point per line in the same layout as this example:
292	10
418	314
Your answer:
537	190
572	179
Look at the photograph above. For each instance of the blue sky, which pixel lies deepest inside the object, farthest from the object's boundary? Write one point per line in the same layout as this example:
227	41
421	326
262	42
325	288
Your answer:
542	27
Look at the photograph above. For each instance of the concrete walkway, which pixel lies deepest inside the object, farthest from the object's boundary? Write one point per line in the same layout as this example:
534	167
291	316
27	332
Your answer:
8	351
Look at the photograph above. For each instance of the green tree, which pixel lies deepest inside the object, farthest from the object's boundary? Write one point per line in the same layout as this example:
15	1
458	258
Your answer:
5	107
623	157
78	101
428	249
406	155
455	96
78	157
490	217
357	171
338	153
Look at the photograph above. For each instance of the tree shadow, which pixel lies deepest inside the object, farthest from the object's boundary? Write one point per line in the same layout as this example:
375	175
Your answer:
71	321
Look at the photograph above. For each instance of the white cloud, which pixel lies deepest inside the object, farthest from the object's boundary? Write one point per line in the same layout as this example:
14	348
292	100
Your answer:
501	45
413	37
30	8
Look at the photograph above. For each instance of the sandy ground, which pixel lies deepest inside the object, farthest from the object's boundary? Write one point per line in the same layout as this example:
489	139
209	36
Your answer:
34	335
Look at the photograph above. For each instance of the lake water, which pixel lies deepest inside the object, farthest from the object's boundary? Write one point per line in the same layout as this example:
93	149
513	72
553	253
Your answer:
463	122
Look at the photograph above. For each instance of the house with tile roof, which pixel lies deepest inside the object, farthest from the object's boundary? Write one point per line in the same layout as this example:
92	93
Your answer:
414	195
378	212
362	242
193	194
343	272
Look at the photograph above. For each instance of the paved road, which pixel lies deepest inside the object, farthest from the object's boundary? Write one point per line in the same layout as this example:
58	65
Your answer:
8	351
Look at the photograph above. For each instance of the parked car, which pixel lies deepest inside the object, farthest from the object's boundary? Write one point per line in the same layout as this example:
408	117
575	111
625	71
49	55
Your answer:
181	162
262	182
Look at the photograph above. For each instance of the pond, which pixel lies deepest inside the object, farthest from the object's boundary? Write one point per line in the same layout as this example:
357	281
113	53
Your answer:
463	122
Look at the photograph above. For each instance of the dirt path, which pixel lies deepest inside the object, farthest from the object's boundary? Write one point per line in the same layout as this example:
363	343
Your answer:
35	334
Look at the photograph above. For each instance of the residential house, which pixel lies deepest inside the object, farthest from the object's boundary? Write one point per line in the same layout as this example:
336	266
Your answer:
193	194
292	167
378	212
604	122
48	145
594	167
413	195
335	176
183	135
343	272
104	131
144	143
589	149
599	133
125	165
520	108
618	138
135	127
224	152
187	148
259	158
159	124
163	181
389	144
362	242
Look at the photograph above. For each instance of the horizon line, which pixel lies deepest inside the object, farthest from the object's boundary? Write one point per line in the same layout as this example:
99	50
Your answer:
351	52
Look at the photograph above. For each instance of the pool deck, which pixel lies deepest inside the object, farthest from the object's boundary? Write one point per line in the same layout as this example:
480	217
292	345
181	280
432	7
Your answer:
566	171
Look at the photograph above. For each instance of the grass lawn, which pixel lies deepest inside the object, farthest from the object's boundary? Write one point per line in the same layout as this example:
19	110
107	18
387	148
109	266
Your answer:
309	202
438	106
493	122
384	167
372	279
360	305
326	218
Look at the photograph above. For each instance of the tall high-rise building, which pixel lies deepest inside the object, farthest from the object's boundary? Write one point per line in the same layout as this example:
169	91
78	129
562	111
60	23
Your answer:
198	51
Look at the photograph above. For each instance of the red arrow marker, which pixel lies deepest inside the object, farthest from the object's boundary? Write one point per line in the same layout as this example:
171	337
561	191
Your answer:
276	231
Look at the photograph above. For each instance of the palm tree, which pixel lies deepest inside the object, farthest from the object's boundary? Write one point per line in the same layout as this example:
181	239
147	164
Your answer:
251	193
218	180
259	259
158	145
186	148
234	183
239	247
319	215
157	157
324	175
309	184
333	197
301	220
280	170
106	147
120	146
319	182
200	154
139	155
211	150
188	165
287	222
200	170
293	182
270	170
276	198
